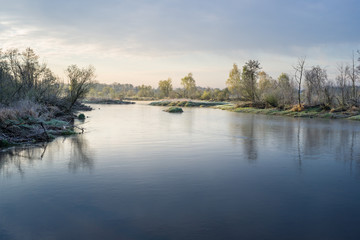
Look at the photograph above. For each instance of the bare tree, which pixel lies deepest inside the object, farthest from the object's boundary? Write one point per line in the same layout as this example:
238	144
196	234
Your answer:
26	77
80	81
342	83
353	75
299	72
315	81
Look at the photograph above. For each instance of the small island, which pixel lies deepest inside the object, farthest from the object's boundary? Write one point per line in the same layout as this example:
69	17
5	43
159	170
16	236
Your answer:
174	110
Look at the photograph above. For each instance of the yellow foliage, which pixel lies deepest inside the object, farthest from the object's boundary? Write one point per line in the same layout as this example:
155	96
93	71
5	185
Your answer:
297	108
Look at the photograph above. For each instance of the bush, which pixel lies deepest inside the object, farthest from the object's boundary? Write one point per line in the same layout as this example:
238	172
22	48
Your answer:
271	100
174	110
206	95
297	108
81	116
182	104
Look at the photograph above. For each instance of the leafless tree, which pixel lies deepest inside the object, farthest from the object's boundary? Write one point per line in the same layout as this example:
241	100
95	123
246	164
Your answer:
80	81
342	83
353	76
299	72
315	81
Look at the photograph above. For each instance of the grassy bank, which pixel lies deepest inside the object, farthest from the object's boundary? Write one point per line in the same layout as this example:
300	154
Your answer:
309	112
187	103
245	107
26	122
106	101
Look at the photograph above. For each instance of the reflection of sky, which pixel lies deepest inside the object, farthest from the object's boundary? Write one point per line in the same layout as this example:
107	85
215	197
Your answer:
141	173
145	41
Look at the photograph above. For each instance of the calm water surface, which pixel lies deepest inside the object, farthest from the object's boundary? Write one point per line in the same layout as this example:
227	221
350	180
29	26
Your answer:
141	173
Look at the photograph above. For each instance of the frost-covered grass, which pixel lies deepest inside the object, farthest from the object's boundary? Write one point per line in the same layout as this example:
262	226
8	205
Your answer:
312	112
187	103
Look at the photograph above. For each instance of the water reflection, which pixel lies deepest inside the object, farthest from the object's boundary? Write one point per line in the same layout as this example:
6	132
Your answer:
80	155
17	160
204	174
244	133
308	139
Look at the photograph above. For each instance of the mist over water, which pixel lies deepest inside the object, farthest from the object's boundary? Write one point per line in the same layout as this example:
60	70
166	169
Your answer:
141	173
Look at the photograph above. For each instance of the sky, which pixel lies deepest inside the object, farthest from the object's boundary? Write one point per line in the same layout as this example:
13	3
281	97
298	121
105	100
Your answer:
144	41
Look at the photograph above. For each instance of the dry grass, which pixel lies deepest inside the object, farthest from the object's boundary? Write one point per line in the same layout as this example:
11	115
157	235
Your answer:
21	109
297	108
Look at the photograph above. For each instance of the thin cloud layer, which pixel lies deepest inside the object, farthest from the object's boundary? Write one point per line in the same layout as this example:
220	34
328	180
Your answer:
161	29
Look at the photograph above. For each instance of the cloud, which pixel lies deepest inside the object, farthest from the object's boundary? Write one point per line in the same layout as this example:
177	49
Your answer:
182	32
142	27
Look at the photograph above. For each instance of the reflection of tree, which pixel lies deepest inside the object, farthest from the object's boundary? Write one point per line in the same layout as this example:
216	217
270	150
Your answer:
247	132
250	142
80	157
336	139
15	160
299	145
346	150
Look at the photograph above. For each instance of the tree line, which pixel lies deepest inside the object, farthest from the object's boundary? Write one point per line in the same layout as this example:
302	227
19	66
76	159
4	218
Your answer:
310	86
165	89
307	86
23	77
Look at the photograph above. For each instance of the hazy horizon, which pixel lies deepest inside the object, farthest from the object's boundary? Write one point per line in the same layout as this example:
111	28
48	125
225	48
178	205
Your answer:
143	42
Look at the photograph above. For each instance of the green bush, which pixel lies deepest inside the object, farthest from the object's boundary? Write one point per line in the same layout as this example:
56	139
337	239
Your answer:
174	110
81	116
271	100
182	104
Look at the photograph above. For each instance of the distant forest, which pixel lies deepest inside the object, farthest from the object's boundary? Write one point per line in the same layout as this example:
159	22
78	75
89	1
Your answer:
23	77
309	85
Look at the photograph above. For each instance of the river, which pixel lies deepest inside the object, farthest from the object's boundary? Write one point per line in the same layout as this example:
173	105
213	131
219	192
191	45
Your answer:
141	173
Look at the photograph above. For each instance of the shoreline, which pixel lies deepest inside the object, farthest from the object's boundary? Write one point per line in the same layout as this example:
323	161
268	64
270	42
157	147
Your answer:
309	112
106	101
39	126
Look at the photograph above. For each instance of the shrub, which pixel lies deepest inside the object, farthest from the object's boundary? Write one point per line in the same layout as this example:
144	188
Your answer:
174	110
81	116
182	104
297	108
271	100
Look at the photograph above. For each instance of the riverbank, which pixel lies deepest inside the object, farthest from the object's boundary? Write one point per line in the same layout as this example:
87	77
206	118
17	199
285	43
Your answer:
28	123
106	101
305	112
187	103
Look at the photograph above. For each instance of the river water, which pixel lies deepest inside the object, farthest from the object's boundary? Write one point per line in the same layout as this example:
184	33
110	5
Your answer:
141	173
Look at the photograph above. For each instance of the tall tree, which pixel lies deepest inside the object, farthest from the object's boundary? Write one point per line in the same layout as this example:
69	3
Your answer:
249	78
188	82
286	89
233	82
145	91
353	75
29	78
299	73
80	82
342	83
315	80
165	87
